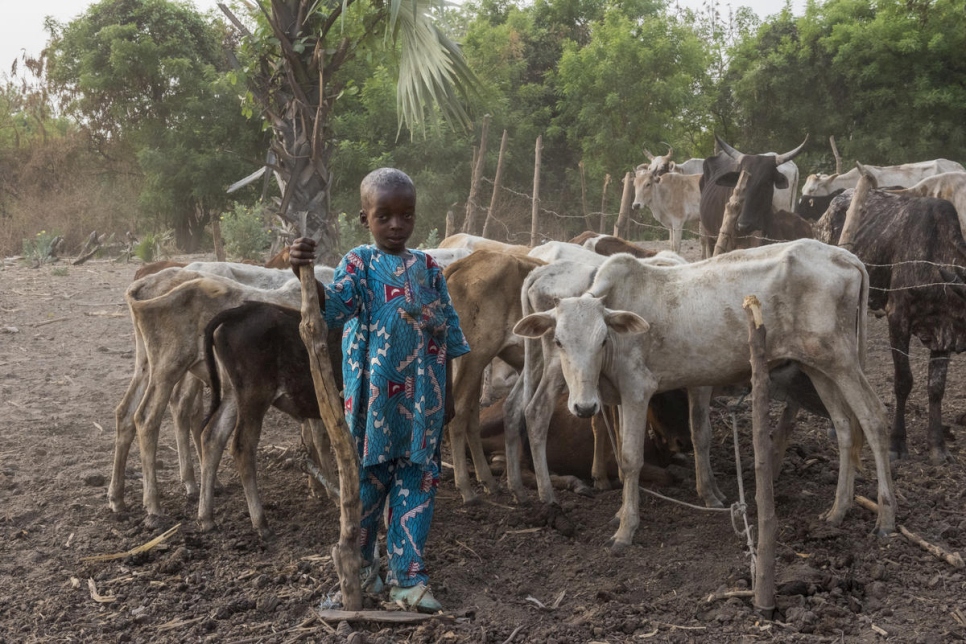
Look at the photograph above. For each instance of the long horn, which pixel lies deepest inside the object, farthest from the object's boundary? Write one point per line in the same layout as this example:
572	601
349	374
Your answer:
670	151
788	156
648	154
730	151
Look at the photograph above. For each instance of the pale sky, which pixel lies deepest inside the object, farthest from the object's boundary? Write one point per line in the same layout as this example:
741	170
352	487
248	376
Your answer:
22	23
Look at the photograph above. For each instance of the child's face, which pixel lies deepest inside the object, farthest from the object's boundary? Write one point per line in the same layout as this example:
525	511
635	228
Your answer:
390	217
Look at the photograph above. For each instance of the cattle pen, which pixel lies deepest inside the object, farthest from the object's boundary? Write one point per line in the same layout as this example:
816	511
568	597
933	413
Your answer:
503	571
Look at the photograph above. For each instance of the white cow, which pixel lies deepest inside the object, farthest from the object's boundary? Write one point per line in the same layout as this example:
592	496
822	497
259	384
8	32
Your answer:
674	199
543	380
907	174
950	186
644	329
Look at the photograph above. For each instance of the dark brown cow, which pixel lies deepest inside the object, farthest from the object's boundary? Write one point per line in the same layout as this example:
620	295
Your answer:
720	175
608	245
813	207
785	226
266	364
905	242
570	441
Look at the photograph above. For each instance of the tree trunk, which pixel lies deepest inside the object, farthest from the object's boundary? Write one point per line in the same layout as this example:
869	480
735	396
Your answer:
535	209
489	228
472	224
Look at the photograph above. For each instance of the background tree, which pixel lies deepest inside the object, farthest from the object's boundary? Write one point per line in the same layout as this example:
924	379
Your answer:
301	47
144	78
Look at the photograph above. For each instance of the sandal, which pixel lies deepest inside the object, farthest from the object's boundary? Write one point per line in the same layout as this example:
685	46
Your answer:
418	597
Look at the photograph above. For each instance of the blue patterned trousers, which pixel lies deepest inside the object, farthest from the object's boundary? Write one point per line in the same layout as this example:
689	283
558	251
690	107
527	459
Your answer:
410	490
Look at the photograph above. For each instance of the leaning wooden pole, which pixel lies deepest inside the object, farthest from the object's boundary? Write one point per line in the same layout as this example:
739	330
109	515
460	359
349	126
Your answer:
588	220
603	205
472	223
623	226
853	216
489	228
835	153
535	209
726	236
345	554
764	570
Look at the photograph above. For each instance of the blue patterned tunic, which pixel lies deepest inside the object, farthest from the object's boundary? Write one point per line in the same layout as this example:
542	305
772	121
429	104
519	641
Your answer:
400	327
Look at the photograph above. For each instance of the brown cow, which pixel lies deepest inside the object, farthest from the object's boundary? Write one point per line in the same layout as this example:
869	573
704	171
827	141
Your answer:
608	245
485	290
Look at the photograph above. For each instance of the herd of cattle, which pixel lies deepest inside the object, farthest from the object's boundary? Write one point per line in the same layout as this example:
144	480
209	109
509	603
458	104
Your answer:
598	335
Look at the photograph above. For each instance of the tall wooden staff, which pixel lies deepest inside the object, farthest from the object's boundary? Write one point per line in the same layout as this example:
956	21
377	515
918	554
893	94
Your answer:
345	554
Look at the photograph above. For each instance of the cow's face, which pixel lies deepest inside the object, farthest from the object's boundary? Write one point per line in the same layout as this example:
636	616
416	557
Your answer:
581	328
763	178
644	181
818	185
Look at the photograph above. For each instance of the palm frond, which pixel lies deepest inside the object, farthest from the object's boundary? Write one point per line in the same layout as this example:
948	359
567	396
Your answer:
432	70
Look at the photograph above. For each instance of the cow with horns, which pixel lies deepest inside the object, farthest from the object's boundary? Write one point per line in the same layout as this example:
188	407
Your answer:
720	176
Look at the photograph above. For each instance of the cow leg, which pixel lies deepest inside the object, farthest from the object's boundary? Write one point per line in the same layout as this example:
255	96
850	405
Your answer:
699	404
147	421
633	426
248	431
852	388
899	338
125	432
467	384
319	447
676	237
213	439
538	412
598	470
186	410
514	425
786	424
938	366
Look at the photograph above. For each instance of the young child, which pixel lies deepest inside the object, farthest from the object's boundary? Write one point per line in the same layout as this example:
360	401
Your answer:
401	330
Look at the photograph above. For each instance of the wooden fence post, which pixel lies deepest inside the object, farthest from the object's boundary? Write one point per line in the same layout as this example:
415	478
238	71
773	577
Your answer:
764	569
835	152
346	554
583	197
603	205
726	236
472	224
535	212
623	225
853	216
490	225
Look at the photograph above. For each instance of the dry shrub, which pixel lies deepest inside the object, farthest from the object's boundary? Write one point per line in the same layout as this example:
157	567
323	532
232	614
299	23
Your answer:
61	186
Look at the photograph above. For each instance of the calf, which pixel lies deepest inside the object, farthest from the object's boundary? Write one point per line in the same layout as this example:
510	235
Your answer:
674	199
265	364
170	311
812	207
915	254
644	329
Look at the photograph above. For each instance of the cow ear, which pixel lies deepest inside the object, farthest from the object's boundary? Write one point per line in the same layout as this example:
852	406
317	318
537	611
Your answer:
625	322
781	181
534	325
728	180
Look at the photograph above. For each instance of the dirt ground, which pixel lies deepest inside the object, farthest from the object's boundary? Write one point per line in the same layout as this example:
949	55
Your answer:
66	356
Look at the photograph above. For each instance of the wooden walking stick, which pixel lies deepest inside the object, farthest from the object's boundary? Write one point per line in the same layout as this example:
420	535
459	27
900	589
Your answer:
345	554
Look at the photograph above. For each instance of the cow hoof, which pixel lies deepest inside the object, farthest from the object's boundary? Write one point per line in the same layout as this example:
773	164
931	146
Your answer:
155	521
602	484
117	507
882	533
191	494
206	525
616	547
266	534
940	456
473	499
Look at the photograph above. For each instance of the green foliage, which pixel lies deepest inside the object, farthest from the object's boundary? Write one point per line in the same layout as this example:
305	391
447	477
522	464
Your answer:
432	239
351	233
37	249
154	245
148	80
245	234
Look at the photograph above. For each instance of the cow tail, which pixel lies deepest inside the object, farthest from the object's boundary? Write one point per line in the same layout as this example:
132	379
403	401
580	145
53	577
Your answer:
858	437
212	366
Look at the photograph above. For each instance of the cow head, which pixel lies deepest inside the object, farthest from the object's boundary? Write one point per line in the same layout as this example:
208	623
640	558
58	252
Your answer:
763	178
659	164
581	328
644	180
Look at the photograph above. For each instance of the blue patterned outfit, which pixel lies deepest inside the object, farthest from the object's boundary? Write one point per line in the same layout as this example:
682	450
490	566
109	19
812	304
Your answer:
400	328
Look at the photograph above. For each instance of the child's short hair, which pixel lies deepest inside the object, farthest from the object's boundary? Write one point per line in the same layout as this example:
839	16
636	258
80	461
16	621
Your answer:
383	179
